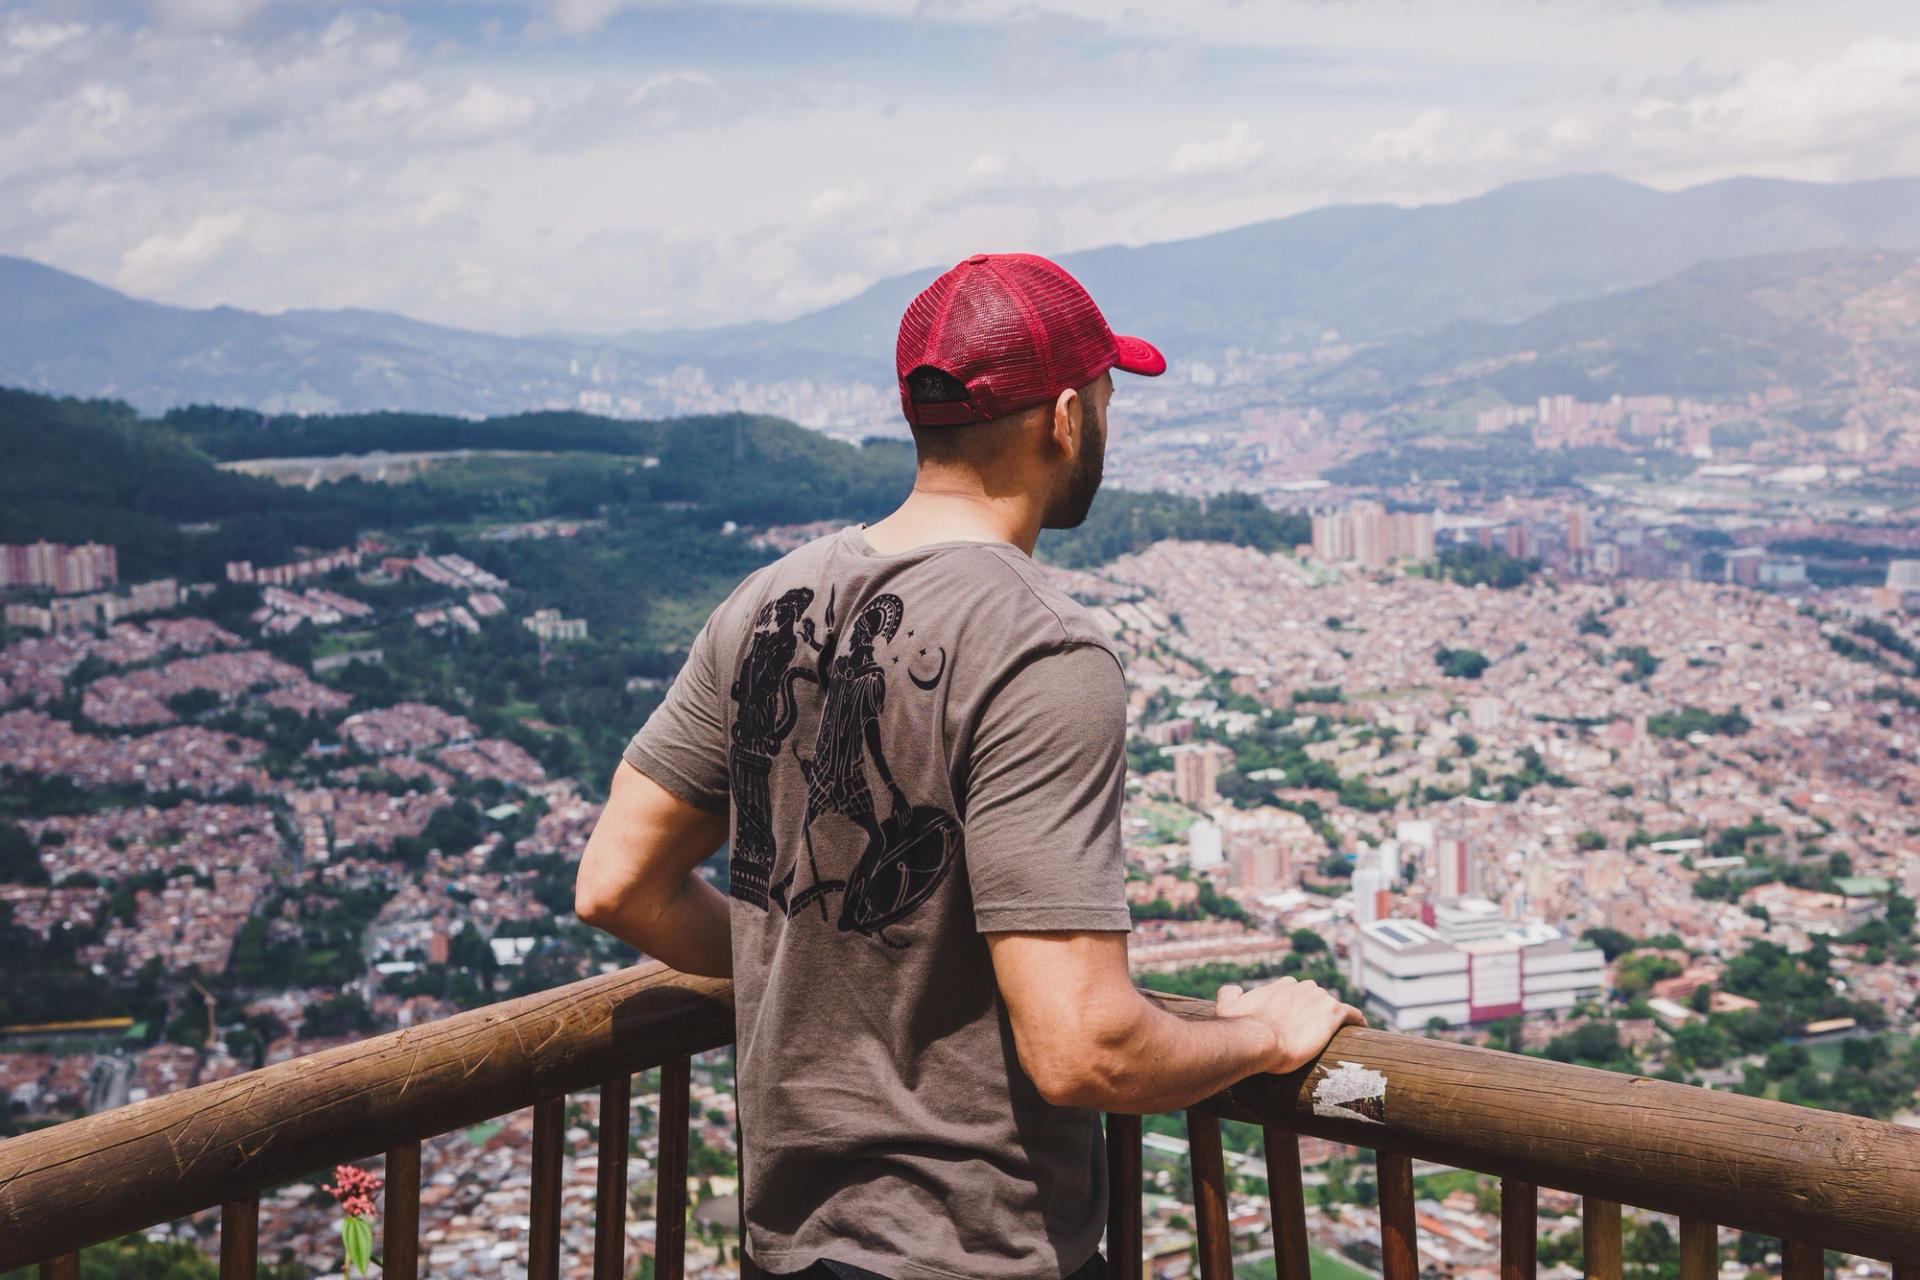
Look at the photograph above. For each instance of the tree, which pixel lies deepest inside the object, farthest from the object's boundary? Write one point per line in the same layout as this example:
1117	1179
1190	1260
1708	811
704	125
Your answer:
1306	942
1465	664
19	857
342	1015
1612	943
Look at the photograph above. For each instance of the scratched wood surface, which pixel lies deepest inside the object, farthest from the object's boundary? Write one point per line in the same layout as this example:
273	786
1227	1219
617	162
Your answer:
167	1157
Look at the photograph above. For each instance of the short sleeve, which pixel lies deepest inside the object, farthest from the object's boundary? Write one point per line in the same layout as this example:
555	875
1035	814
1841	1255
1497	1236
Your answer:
683	744
1046	775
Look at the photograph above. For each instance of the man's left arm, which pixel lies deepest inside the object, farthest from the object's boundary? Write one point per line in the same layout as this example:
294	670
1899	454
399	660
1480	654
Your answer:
639	880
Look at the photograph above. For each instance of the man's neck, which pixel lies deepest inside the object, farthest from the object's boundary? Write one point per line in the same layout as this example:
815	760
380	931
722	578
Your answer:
935	513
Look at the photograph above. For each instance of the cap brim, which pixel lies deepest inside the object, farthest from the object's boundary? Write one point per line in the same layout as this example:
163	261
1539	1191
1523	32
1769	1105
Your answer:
1137	355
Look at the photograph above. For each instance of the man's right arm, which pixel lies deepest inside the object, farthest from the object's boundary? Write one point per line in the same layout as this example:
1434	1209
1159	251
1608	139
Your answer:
1087	1038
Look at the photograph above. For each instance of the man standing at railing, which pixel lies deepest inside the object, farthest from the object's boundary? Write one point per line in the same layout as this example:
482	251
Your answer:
917	747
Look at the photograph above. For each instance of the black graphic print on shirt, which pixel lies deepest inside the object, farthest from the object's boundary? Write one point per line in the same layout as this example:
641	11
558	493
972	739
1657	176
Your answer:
764	713
903	855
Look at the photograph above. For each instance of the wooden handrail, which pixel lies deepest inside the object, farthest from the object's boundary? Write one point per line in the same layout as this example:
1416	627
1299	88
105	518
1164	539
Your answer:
167	1157
1810	1176
1773	1168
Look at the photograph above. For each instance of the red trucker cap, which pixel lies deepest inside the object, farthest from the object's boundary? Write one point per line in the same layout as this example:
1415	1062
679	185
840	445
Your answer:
1001	332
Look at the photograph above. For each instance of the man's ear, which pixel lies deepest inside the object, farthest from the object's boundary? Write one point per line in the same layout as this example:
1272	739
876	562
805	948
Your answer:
1067	422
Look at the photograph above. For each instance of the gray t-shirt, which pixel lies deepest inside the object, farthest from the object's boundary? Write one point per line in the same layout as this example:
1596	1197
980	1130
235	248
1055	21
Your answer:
915	749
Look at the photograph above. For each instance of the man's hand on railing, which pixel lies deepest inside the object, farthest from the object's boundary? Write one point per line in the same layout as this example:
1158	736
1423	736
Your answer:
1087	1038
1302	1016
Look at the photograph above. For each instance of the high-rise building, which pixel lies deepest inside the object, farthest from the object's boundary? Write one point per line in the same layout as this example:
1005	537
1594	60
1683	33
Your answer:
1370	893
1204	845
1196	773
1457	872
67	570
1368	534
1580	535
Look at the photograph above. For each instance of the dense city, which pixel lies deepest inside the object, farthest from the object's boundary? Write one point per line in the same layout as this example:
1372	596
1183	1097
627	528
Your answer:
1571	772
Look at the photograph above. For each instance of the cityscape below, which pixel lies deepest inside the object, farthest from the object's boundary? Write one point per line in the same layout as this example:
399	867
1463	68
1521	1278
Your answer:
1563	704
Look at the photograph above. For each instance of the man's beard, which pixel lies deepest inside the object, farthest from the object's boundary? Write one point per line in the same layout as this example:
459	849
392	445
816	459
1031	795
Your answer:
1070	506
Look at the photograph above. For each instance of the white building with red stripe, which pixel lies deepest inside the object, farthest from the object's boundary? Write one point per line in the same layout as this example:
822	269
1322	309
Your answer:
1413	973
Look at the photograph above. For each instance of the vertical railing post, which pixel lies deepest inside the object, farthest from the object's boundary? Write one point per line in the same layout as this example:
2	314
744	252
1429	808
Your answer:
1210	1196
1124	1225
400	1252
1519	1229
1288	1199
610	1182
543	1236
64	1267
1699	1249
1600	1238
670	1187
1802	1260
1399	1243
240	1237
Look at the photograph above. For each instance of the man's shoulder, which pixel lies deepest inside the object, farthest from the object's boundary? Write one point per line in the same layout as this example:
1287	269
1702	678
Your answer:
800	567
999	590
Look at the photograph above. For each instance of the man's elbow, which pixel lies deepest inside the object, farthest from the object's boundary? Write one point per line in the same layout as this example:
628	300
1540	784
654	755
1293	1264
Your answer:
1074	1084
594	900
1090	1067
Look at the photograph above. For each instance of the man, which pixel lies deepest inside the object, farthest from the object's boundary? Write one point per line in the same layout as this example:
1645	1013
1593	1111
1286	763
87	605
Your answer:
921	745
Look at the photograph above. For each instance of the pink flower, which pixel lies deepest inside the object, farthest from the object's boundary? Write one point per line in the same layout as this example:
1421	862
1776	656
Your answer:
353	1187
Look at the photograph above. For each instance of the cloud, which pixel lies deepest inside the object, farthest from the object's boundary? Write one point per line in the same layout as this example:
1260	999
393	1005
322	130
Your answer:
162	261
577	19
204	15
729	161
480	113
1220	155
31	37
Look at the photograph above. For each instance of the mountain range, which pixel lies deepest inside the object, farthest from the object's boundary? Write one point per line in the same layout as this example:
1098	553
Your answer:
1822	320
1422	289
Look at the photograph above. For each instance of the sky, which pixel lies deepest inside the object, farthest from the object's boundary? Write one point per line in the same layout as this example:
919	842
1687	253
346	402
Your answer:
603	165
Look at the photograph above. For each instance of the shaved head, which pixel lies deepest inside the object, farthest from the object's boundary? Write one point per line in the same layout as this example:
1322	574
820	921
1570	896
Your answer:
1008	452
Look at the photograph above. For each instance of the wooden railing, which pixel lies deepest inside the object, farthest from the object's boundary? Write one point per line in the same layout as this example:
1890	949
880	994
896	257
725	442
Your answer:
1814	1179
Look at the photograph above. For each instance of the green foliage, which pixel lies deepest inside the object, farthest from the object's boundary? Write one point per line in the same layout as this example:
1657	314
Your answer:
19	857
1123	521
1636	973
1612	943
1506	467
1211	904
356	1241
337	1016
324	950
1475	566
1592	1044
1639	658
46	981
1202	982
1591	624
1686	721
1463	664
134	1257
